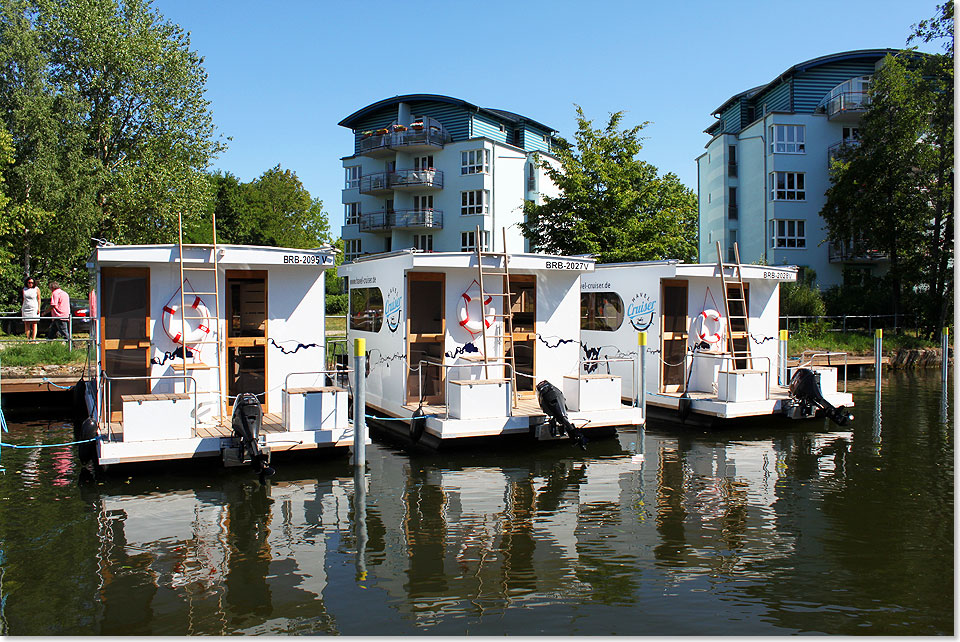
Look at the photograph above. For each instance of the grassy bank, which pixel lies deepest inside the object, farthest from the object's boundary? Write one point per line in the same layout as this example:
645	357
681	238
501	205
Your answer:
811	337
46	353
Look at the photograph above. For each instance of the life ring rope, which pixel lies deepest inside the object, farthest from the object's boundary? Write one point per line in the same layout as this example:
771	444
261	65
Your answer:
176	330
474	323
711	335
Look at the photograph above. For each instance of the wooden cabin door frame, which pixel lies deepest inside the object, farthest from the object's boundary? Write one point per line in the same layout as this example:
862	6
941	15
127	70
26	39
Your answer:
419	342
525	339
233	341
123	345
674	330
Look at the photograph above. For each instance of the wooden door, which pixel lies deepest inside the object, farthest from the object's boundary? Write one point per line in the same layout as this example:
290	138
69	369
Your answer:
246	337
426	328
125	332
673	335
523	306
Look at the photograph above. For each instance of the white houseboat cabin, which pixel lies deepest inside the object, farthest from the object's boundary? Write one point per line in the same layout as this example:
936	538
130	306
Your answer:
254	324
473	373
701	346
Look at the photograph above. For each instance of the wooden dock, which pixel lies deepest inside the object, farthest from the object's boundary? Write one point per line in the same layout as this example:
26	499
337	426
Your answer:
37	384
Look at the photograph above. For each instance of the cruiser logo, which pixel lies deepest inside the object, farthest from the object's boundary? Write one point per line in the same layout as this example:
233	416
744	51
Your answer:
640	312
392	310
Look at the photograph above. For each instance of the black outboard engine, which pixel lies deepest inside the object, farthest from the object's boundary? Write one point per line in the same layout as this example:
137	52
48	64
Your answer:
247	418
805	390
554	405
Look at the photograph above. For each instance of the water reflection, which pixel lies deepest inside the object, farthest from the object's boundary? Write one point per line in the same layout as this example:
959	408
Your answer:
801	528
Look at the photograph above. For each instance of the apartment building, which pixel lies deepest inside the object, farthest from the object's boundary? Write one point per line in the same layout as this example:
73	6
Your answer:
763	177
427	170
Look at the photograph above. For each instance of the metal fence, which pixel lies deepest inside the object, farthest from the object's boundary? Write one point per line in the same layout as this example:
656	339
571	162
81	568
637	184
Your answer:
12	334
855	322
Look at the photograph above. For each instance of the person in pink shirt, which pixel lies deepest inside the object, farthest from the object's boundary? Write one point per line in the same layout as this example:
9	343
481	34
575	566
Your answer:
59	312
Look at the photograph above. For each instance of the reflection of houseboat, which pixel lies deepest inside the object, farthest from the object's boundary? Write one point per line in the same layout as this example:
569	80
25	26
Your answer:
254	323
702	344
439	340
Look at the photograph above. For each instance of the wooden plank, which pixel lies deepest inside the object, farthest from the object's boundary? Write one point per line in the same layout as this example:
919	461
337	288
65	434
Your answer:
300	391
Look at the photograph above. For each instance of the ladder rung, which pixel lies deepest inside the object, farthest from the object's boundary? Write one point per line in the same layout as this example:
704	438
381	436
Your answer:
199	269
200	293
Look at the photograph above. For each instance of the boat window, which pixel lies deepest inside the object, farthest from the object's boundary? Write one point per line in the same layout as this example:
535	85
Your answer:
366	309
601	311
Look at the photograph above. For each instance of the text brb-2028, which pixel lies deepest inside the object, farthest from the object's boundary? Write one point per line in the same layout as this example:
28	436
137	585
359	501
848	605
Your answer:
303	259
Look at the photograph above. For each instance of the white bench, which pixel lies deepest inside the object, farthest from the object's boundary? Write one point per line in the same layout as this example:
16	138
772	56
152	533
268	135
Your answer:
479	398
153	417
591	392
314	408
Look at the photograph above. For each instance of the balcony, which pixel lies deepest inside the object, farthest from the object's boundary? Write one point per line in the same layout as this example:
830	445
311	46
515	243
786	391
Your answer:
848	252
383	143
404	179
732	212
732	170
834	150
847	106
402	220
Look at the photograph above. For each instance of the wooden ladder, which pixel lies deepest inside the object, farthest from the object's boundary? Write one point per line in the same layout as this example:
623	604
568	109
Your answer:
506	315
735	282
210	265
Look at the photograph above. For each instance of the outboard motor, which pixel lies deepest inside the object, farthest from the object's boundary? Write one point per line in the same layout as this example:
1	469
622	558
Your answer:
553	404
805	390
247	419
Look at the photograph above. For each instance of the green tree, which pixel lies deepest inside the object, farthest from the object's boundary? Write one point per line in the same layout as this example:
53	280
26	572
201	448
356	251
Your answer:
112	132
894	191
275	209
611	204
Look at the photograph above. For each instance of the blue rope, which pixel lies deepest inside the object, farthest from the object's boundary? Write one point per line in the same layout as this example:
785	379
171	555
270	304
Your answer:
66	443
57	385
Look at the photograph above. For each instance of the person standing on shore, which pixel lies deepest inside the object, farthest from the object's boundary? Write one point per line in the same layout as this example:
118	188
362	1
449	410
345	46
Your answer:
30	308
59	312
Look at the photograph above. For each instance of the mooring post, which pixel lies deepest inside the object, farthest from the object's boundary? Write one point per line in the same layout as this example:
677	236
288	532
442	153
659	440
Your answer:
944	354
782	370
878	354
359	402
642	375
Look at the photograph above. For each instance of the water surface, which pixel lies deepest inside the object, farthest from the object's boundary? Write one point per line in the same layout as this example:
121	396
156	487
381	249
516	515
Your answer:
791	527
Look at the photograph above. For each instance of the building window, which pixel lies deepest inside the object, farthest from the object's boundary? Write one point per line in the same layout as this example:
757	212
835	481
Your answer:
366	309
423	242
351	249
468	241
731	248
475	201
351	213
475	161
353	177
732	212
851	133
786	139
787	186
601	311
788	234
423	162
421	203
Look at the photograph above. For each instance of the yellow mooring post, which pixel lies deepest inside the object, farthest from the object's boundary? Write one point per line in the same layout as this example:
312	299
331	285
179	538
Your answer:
642	375
944	355
878	354
359	403
784	336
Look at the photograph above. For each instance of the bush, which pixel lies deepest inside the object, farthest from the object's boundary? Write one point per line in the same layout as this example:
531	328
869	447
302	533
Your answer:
801	299
337	304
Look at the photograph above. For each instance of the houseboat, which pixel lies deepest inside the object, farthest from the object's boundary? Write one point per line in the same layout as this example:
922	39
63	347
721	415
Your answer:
712	339
478	344
210	351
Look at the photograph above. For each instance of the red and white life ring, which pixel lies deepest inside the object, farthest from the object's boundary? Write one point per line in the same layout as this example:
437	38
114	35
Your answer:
711	333
469	310
173	328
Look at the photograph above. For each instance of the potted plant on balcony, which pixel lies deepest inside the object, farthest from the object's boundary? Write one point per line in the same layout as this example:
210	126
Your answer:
382	131
399	128
367	134
417	125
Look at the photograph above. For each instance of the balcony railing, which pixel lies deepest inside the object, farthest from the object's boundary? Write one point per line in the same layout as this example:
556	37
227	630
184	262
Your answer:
401	219
732	170
401	179
834	150
732	212
849	252
847	102
432	137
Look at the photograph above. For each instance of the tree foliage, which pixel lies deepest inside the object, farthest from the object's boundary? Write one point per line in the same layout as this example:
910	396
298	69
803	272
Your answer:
112	133
275	209
611	204
893	191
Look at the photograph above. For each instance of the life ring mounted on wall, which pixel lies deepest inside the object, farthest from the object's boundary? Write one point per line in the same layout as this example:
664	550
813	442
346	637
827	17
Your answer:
471	313
173	327
711	327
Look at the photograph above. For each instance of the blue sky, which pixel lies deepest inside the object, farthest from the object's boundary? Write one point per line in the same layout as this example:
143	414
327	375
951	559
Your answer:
282	75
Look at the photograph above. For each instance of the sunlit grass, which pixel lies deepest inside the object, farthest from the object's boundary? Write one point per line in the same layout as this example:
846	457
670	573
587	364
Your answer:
42	353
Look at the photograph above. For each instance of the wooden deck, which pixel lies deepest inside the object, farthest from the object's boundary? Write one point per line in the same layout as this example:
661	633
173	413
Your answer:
528	407
272	422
